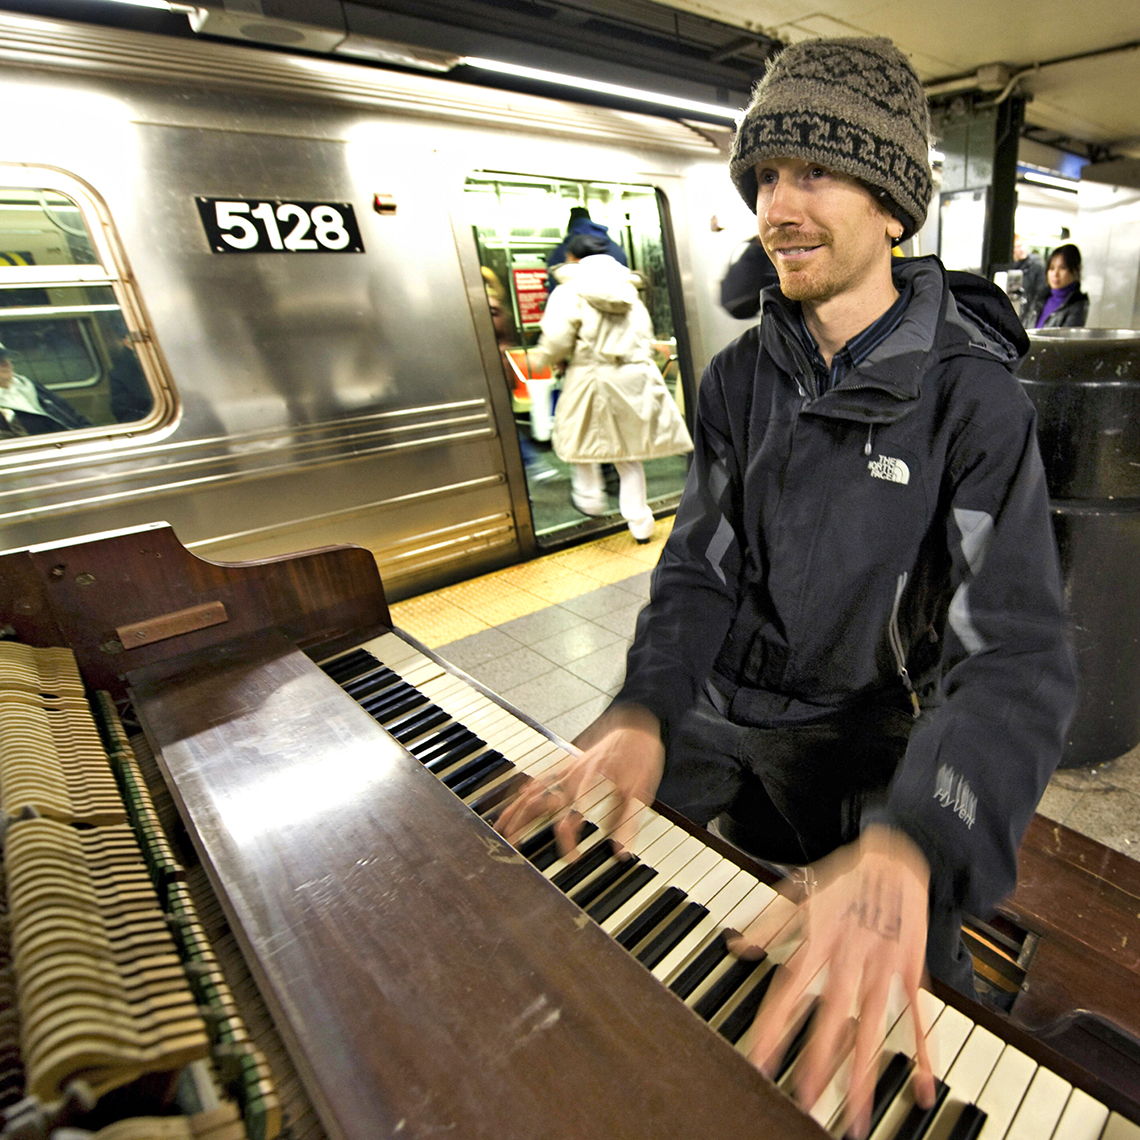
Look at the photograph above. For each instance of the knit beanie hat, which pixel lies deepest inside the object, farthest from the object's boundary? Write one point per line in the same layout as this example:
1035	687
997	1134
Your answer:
854	105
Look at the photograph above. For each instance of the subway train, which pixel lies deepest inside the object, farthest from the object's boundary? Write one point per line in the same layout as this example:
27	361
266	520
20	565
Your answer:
261	283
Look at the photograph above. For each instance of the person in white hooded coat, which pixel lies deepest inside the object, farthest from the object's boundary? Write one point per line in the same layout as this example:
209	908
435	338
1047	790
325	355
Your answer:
614	406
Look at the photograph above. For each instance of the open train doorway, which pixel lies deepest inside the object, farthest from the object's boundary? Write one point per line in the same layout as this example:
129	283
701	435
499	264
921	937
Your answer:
521	224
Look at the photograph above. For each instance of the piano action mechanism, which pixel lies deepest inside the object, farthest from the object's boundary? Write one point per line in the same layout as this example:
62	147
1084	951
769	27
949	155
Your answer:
423	976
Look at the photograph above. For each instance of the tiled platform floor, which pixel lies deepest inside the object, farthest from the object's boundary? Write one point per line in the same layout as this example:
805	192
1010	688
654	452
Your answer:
551	635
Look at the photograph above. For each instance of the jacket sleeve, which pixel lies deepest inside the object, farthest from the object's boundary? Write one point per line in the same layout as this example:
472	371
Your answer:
558	329
696	584
977	765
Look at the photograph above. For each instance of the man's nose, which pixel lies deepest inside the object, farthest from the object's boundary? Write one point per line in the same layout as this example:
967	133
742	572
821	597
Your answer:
783	204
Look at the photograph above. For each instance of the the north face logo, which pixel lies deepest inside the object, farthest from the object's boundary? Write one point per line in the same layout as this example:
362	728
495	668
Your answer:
893	470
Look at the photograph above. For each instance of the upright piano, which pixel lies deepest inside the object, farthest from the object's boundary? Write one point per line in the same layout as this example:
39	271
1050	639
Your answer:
312	791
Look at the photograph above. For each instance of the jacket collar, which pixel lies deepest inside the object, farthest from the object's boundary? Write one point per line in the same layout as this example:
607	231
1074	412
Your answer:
936	326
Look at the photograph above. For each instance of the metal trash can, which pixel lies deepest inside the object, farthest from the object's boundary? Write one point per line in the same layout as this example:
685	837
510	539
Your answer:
1085	384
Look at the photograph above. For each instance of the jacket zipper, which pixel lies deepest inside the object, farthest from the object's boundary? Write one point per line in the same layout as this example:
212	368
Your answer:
897	646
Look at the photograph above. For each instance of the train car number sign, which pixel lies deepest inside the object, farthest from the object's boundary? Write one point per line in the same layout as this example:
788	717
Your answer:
247	225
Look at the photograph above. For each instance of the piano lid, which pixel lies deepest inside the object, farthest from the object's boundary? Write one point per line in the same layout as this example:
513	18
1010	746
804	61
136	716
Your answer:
424	976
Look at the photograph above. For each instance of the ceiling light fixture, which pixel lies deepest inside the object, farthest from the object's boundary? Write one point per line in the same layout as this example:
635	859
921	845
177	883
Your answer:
575	81
1069	184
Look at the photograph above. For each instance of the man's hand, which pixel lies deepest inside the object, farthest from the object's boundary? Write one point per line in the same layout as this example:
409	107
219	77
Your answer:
630	756
864	919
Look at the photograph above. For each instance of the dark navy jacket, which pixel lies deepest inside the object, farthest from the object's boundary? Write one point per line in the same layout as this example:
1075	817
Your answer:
890	536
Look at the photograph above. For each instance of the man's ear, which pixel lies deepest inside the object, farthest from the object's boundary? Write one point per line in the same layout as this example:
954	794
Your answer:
894	229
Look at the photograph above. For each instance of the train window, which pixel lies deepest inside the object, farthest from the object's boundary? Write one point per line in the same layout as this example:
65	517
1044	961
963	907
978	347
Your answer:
68	357
521	224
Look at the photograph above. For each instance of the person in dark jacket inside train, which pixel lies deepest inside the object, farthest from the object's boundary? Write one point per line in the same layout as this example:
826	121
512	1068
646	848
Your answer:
854	654
1064	305
580	223
1033	286
28	408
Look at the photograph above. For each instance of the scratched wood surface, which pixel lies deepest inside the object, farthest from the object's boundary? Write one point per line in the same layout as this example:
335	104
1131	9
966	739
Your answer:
426	979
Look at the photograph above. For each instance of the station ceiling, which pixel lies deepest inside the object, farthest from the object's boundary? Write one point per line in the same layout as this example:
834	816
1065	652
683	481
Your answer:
1080	62
1077	60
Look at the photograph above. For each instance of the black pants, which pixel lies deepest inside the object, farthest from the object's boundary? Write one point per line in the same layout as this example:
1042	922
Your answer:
796	793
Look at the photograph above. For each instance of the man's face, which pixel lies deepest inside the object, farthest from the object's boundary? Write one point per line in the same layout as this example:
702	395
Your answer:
6	371
824	231
1019	250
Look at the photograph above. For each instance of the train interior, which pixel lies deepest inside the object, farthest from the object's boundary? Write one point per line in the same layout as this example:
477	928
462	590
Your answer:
519	223
67	334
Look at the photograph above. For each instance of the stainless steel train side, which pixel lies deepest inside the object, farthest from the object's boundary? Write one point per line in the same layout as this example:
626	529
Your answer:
330	397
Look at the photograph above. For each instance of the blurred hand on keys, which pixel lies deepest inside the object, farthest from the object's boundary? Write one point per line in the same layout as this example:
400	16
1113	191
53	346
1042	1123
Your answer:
629	755
863	918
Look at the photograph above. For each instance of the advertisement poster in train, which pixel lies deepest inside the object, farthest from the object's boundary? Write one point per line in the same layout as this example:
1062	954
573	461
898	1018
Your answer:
530	288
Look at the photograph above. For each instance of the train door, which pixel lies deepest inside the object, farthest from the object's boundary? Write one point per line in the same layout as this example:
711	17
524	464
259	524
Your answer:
521	224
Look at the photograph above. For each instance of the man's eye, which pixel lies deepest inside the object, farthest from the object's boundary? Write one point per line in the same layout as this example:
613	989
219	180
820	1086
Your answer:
766	177
818	172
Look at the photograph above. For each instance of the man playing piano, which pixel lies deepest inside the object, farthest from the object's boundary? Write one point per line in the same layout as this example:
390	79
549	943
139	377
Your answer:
854	654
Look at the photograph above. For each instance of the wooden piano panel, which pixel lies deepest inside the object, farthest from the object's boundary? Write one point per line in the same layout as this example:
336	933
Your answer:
89	592
425	977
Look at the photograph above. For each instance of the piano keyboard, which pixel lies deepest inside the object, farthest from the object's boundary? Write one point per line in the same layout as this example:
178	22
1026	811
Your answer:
672	903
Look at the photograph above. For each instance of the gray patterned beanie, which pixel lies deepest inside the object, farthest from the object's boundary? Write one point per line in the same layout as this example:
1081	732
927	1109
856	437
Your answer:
855	105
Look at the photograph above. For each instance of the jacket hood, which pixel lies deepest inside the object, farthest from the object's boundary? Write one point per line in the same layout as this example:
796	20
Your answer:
601	281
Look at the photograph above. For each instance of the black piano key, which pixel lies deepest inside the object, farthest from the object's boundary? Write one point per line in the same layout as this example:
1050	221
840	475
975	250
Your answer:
664	941
372	684
394	703
615	899
726	985
418	723
536	842
472	768
458	751
919	1119
473	783
350	665
968	1124
598	886
891	1082
735	1024
656	912
487	805
585	865
550	854
797	1043
700	967
442	739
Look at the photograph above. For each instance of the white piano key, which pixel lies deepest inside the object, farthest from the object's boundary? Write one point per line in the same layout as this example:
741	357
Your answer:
1120	1128
1084	1118
683	853
392	650
901	1040
946	1038
719	905
967	1077
1041	1108
1004	1092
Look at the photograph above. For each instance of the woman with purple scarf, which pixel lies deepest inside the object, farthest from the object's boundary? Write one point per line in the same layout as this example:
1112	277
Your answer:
1064	306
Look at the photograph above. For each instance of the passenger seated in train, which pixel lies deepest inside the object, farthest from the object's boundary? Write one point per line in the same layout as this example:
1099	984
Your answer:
854	652
29	408
131	397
